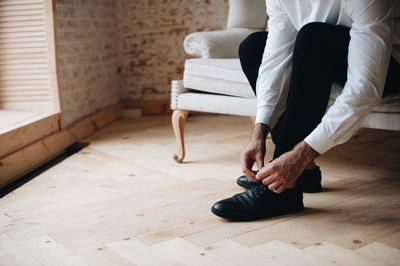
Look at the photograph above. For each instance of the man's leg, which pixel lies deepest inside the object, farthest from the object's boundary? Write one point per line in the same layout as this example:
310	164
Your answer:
250	53
392	84
319	59
312	76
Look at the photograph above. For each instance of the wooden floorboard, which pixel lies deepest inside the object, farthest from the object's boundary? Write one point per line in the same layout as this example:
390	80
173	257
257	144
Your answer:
123	200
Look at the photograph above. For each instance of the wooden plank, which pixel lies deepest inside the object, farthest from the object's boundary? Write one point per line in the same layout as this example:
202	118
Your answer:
32	156
189	254
139	253
383	253
289	255
103	118
9	118
222	231
49	252
149	107
41	151
241	255
26	131
95	253
392	240
13	254
340	255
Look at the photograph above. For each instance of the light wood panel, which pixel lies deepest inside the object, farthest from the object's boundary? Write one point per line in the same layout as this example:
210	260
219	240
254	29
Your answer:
49	252
20	128
124	201
20	162
149	107
13	254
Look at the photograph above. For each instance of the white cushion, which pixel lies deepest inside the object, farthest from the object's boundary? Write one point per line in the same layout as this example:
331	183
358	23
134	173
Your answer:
215	103
225	76
222	76
247	14
215	44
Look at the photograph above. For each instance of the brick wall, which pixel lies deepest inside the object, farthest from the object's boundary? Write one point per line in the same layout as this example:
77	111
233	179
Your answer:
87	55
150	41
140	38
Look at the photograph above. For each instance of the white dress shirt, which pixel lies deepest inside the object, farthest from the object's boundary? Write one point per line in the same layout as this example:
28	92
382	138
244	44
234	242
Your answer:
375	36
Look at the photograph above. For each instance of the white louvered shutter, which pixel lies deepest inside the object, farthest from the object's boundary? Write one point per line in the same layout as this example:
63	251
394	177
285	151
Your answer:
27	59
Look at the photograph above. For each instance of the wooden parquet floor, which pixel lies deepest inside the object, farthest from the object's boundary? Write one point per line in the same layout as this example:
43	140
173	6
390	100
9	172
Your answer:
122	200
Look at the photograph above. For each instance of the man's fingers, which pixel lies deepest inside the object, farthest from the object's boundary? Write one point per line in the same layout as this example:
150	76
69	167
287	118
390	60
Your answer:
265	171
246	169
247	164
271	179
249	173
260	163
274	185
280	189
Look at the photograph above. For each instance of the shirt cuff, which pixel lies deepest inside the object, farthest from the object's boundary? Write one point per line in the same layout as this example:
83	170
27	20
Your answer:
319	141
265	116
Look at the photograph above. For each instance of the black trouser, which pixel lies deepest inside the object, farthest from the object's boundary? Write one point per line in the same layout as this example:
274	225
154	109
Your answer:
319	59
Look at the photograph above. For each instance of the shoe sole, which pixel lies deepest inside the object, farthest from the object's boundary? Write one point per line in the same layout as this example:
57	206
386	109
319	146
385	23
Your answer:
253	218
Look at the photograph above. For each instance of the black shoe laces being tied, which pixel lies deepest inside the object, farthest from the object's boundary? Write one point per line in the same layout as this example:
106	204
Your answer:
260	190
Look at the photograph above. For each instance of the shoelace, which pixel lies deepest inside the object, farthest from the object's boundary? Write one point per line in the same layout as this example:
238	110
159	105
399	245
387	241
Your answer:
260	190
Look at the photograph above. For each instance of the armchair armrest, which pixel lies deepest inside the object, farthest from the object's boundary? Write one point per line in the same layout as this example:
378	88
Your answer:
216	44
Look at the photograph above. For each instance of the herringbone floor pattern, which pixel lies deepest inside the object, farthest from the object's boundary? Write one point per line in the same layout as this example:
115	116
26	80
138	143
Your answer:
123	201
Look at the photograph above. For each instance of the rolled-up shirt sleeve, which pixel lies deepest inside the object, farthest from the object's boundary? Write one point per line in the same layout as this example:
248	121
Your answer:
368	59
276	66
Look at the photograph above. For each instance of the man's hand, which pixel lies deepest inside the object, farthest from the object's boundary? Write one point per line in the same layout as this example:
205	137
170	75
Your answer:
283	172
255	150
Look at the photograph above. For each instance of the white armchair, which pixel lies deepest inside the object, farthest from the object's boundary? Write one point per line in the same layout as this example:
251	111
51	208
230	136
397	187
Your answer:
214	82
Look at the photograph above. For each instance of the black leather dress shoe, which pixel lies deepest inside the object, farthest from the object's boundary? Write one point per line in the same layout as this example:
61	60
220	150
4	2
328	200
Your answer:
259	202
309	181
246	182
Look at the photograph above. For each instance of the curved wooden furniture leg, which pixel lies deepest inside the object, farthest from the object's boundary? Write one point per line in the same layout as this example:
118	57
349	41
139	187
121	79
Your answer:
178	123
